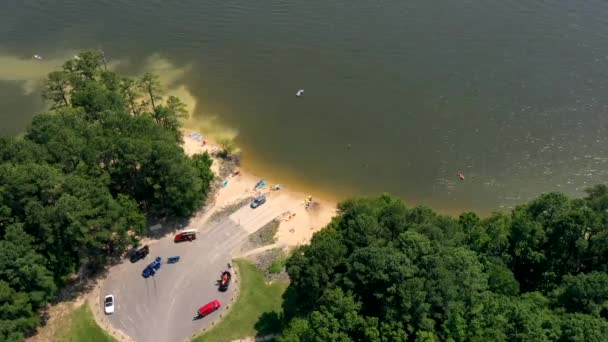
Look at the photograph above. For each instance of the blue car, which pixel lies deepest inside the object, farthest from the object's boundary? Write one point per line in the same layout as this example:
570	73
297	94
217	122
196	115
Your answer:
151	269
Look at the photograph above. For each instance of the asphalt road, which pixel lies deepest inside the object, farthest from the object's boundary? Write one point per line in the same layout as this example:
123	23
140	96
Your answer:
161	308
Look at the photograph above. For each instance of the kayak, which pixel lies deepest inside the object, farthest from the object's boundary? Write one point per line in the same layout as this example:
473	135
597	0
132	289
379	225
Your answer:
260	184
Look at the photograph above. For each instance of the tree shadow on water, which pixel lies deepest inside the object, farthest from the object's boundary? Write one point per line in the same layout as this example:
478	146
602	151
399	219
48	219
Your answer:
269	323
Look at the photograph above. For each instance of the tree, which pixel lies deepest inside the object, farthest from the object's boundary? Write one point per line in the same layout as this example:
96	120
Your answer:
500	278
94	98
177	107
202	165
56	89
596	235
492	237
74	220
298	330
150	85
583	328
228	146
527	257
78	187
23	269
469	223
20	150
131	92
84	67
585	293
312	268
379	270
426	277
16	314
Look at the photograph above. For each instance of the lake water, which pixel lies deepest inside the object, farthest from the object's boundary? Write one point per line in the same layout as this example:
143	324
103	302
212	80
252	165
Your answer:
511	93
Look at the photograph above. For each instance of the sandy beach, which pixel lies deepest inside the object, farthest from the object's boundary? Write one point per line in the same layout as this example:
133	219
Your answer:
292	231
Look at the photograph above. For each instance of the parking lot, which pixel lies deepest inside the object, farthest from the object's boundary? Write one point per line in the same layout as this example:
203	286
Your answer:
162	307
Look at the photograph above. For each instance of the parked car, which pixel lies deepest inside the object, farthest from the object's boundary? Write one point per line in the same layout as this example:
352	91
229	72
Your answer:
209	308
225	281
140	253
151	269
187	235
108	304
258	201
148	271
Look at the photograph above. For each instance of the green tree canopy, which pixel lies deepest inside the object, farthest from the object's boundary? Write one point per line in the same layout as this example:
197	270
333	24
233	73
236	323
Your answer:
76	189
383	272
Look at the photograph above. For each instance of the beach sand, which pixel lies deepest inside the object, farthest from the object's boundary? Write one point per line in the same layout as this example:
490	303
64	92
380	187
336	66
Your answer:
292	232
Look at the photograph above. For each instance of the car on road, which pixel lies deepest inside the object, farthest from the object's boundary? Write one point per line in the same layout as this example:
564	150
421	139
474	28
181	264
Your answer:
151	269
209	308
187	235
108	304
139	253
258	201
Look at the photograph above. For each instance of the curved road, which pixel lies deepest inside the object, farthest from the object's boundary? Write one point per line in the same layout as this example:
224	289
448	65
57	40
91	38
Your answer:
161	307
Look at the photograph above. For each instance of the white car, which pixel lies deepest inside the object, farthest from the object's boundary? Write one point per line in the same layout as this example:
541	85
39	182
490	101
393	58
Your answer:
108	304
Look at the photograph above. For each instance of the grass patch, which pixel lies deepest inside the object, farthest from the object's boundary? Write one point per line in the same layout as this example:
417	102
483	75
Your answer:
277	266
79	325
266	235
257	310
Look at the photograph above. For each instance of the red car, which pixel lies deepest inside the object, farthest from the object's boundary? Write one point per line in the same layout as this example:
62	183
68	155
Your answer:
209	308
187	235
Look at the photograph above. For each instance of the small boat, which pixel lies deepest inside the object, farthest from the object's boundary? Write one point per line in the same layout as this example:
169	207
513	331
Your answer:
260	184
38	57
300	92
277	187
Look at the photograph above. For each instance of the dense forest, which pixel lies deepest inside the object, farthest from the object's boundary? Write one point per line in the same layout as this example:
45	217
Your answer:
382	271
77	188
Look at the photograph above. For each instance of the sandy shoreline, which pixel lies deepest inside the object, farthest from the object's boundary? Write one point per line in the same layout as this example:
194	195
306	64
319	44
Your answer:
292	232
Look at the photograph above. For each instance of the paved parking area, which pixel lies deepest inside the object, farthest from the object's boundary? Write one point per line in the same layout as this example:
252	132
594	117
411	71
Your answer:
161	308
